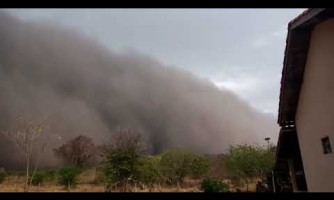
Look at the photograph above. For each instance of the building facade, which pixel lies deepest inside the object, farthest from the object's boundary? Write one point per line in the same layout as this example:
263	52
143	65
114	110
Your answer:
306	111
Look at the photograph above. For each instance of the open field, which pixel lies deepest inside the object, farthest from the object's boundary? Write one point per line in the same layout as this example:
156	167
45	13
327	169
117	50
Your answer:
96	188
86	184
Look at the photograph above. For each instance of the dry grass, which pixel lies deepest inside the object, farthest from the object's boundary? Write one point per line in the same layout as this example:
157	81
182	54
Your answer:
86	179
51	188
99	188
90	188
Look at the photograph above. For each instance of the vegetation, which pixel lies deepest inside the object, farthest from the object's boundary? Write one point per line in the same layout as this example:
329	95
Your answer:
50	175
213	185
122	158
68	175
177	164
15	173
26	135
3	175
150	171
100	179
78	151
250	161
199	165
38	178
43	175
125	163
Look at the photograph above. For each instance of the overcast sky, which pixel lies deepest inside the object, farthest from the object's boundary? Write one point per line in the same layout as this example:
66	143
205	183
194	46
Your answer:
238	49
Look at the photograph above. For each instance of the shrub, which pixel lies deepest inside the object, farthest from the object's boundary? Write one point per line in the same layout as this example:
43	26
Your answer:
199	165
213	185
249	161
50	175
43	175
16	173
149	171
3	175
38	178
68	175
122	158
177	164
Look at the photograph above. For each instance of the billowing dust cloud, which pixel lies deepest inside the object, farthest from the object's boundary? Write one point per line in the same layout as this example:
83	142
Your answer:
85	88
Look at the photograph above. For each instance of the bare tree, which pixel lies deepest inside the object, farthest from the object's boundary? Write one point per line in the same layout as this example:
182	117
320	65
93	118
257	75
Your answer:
78	151
125	137
25	135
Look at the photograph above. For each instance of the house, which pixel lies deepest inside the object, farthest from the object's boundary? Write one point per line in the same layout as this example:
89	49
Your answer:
304	158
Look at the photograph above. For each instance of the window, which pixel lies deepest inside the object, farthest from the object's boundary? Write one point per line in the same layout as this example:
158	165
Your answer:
326	145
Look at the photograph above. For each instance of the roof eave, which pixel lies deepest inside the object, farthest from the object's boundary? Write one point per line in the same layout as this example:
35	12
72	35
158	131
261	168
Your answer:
303	21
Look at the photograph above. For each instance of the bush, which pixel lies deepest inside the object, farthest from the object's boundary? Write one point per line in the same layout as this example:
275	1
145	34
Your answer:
16	173
3	175
43	175
149	171
199	165
122	158
50	175
68	175
177	164
38	178
249	161
213	185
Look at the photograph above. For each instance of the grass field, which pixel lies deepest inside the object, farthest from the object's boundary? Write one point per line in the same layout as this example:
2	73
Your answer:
10	186
87	183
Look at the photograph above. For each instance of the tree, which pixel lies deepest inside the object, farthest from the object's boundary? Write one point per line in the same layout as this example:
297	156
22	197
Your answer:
26	135
121	159
249	161
150	171
177	164
68	175
199	165
78	151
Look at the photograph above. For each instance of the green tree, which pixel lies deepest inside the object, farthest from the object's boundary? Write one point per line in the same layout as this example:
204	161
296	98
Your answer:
199	165
68	175
122	158
150	171
249	161
177	164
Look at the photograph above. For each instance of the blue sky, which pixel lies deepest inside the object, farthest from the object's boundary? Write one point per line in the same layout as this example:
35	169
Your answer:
237	49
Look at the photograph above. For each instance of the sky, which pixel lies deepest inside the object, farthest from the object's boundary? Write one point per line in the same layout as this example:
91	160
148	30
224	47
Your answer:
240	50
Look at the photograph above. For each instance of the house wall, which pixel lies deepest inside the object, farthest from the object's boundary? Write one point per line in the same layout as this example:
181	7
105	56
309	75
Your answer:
315	111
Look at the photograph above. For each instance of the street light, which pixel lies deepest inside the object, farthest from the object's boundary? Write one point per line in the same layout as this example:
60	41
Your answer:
267	139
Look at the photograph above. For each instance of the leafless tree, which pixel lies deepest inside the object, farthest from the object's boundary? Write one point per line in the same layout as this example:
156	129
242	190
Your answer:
78	151
127	137
26	135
